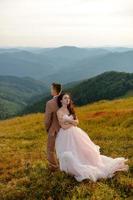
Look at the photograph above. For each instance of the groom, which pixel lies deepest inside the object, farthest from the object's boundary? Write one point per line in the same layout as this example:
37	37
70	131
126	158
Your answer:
52	125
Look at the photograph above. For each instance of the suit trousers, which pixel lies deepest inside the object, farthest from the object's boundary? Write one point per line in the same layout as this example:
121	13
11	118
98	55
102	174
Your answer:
51	153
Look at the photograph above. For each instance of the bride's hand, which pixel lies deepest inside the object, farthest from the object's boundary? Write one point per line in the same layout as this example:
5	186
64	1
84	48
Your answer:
74	122
69	120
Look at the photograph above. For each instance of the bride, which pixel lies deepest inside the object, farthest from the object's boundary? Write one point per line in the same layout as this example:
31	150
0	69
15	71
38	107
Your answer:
77	154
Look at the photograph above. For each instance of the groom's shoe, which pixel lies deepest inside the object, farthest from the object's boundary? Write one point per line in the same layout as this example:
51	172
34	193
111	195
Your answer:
53	167
53	163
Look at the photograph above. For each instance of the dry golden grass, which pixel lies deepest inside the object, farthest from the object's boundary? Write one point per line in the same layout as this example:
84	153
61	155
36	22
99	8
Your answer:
24	172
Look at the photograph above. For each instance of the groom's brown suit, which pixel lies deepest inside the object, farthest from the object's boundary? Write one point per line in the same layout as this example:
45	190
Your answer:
52	127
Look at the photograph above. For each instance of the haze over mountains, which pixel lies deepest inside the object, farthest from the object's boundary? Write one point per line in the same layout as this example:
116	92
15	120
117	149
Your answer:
26	74
48	64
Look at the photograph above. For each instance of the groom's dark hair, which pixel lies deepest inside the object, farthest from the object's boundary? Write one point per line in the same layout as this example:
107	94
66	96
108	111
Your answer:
57	87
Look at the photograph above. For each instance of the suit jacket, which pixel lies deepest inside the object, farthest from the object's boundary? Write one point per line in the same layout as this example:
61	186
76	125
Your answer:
51	121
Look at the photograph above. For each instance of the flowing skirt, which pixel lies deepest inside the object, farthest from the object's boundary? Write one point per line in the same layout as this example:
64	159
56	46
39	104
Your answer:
81	158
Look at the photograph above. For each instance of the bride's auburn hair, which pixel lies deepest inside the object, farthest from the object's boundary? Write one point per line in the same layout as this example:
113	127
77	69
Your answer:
70	106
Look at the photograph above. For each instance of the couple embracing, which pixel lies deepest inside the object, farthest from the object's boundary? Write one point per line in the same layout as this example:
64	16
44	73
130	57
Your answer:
69	148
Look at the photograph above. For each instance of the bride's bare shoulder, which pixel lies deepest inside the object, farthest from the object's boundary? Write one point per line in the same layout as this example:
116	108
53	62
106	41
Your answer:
59	111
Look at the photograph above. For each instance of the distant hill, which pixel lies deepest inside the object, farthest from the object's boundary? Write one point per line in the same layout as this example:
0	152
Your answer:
50	64
92	66
23	63
16	93
75	53
108	85
38	63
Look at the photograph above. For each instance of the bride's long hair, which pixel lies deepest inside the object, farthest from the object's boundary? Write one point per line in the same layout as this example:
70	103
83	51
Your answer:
70	106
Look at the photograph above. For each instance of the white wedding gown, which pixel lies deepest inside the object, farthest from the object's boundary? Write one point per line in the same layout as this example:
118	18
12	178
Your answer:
81	158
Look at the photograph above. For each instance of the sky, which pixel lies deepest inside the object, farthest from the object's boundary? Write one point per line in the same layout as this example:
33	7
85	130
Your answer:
53	23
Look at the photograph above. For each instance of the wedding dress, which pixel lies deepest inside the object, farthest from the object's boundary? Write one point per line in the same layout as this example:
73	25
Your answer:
81	158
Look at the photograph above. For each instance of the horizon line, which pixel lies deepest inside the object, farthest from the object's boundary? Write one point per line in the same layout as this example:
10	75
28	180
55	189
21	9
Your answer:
97	46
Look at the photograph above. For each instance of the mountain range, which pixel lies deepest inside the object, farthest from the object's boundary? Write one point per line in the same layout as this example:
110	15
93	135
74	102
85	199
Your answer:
26	74
64	64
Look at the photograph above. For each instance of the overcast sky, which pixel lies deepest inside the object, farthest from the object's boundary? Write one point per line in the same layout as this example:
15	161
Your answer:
52	23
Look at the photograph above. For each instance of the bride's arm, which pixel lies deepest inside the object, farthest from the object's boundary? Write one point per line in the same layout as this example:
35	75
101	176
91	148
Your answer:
63	122
75	122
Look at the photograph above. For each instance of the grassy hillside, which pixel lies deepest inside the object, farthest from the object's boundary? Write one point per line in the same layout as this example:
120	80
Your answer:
24	172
